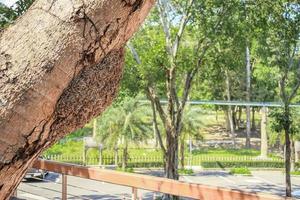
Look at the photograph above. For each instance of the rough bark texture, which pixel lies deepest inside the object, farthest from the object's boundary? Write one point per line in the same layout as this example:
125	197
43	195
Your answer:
60	65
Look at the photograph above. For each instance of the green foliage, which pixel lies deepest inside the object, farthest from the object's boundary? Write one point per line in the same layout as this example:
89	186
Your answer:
185	172
67	148
279	120
240	170
123	124
128	169
192	123
8	15
238	164
297	173
226	152
148	164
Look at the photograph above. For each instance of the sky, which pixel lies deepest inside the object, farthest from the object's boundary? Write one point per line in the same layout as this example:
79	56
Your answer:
8	2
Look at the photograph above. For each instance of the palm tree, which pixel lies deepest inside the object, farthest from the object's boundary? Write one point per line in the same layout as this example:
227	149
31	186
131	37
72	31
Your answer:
190	128
124	124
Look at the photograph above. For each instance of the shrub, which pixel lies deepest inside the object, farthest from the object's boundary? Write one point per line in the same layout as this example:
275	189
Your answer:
145	164
240	170
239	164
295	173
185	171
128	169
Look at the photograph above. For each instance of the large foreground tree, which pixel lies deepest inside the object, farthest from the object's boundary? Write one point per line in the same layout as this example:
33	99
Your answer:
60	65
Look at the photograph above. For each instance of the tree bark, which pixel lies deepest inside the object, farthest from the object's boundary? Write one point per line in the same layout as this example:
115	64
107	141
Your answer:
293	155
239	117
253	127
60	65
182	148
230	112
287	152
248	98
172	156
125	157
263	134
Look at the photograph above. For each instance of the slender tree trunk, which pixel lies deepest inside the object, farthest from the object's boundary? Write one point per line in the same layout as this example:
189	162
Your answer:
239	117
100	156
293	156
94	128
125	157
253	127
287	152
263	134
230	112
248	98
59	74
182	157
217	115
155	134
116	156
234	118
227	123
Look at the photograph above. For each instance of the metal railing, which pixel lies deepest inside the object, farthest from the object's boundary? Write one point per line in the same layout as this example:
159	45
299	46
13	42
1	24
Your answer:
155	184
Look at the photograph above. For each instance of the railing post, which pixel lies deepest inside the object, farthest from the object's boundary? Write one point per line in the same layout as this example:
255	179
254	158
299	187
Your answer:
64	187
134	193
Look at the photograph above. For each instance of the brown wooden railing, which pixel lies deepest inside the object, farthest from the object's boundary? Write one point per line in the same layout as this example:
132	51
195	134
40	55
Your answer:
156	184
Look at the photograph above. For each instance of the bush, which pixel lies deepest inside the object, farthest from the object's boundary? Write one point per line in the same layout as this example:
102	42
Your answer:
145	164
185	171
295	173
128	169
239	164
241	170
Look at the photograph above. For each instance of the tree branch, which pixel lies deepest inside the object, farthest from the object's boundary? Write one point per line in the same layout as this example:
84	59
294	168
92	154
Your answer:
155	99
134	53
158	134
165	23
183	21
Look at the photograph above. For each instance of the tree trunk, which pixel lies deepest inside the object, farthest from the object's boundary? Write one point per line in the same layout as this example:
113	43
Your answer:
293	155
248	98
239	120
287	153
172	156
171	165
253	127
125	157
234	118
100	156
263	134
60	65
230	112
227	123
94	128
182	145
116	156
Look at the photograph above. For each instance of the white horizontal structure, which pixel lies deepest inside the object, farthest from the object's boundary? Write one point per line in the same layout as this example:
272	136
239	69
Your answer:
232	103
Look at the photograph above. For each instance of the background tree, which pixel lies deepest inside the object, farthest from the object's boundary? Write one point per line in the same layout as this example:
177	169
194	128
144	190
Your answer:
124	124
282	47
